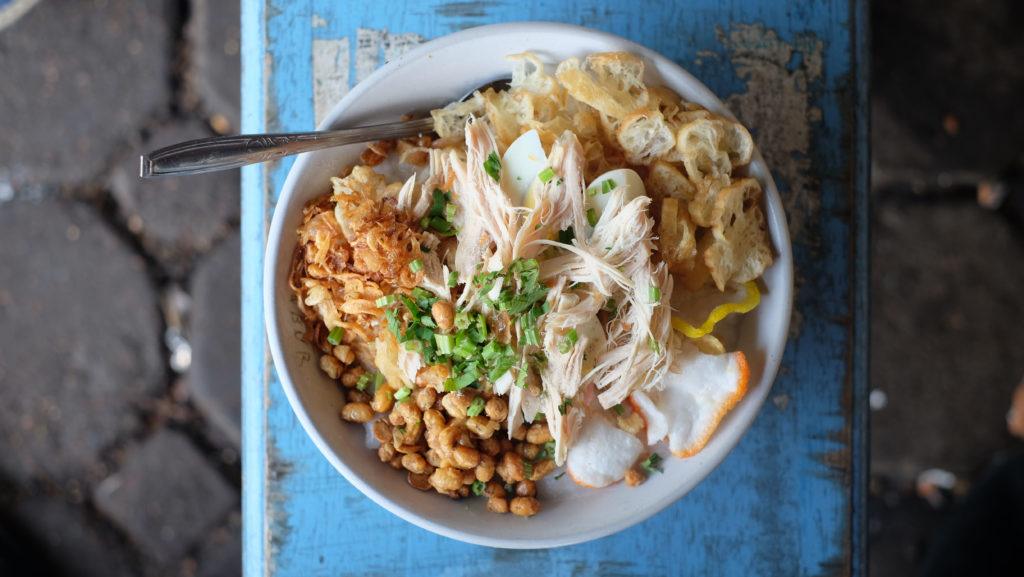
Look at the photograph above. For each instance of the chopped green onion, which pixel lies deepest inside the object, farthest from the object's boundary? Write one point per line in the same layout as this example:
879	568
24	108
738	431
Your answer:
531	336
522	375
564	407
453	278
491	350
425	222
655	294
402	393
653	344
445	343
619	409
565	236
546	175
500	368
393	325
476	407
438	201
607	186
334	337
481	326
652	464
441	225
548	452
363	381
492	166
386	301
568	341
462	320
464	346
477	487
450	210
450	385
592	191
416	265
465	379
527	469
591	216
610	305
413	345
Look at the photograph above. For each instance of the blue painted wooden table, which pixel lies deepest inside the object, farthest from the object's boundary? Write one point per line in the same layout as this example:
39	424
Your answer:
790	499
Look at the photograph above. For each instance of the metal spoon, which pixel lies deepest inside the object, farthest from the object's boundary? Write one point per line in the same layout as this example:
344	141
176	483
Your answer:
224	152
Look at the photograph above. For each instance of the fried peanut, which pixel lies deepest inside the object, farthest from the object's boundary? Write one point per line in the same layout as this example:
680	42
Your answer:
465	457
457	403
496	408
446	479
528	450
634	477
490	446
425	398
355	396
344	353
495	489
541	469
405	413
383	400
510	468
525	506
351	377
444	315
357	413
433	376
519	433
485	470
414	463
421	482
538	434
331	366
482	427
497	505
386	452
526	489
396	462
382	431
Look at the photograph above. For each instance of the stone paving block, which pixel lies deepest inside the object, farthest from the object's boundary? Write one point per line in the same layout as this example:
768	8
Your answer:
214	32
176	218
79	344
214	379
221	554
79	78
165	496
75	543
948	74
945	336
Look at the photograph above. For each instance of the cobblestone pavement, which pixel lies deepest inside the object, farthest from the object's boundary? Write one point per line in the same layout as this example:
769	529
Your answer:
119	313
119	390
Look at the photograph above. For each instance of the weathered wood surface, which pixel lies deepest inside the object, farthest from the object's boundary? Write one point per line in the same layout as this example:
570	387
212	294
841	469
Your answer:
790	499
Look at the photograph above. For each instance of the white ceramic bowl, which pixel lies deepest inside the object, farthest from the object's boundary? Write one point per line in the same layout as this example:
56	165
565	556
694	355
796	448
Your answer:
431	75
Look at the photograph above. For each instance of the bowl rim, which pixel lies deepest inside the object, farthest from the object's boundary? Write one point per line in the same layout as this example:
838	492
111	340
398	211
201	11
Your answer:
274	244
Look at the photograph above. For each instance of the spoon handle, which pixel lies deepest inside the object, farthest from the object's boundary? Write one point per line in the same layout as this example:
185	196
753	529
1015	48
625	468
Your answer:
224	152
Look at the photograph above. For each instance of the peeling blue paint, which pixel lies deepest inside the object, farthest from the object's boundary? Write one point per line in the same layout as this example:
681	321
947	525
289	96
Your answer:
781	503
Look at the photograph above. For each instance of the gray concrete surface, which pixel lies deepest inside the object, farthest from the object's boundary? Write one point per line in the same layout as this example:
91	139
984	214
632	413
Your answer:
111	462
165	496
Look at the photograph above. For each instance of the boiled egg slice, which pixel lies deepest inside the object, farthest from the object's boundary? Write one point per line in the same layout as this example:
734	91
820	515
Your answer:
520	165
601	453
694	401
599	192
